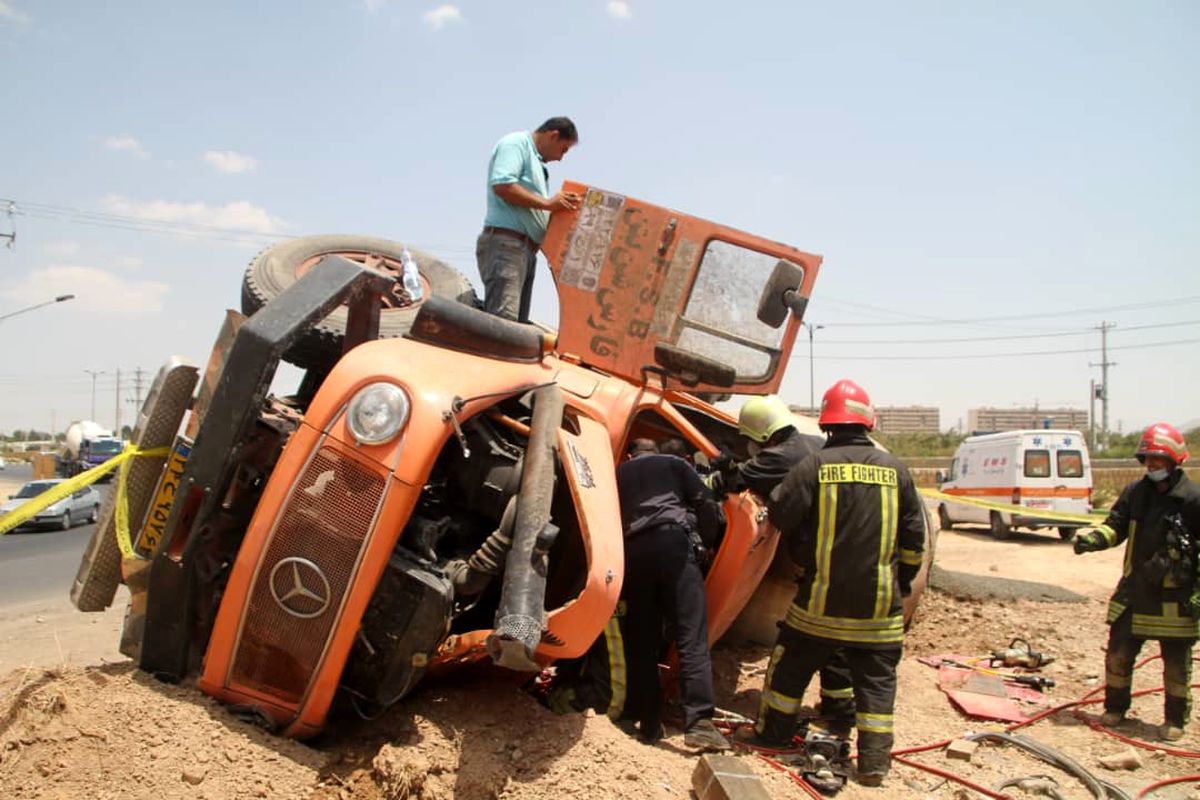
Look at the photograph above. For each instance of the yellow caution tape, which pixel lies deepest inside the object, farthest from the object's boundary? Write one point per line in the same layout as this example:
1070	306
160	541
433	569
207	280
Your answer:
21	515
1057	516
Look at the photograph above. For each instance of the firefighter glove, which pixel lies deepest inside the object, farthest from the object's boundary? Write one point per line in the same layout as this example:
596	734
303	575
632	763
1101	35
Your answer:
1088	541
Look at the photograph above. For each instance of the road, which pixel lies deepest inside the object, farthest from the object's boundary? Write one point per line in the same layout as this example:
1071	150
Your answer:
38	565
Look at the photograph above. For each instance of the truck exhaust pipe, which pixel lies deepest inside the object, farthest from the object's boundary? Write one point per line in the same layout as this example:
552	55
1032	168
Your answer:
521	613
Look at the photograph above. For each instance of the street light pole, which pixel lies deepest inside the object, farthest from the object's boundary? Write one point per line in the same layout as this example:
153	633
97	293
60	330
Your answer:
812	405
61	298
94	373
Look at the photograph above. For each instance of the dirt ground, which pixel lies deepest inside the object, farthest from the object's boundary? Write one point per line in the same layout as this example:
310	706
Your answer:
76	720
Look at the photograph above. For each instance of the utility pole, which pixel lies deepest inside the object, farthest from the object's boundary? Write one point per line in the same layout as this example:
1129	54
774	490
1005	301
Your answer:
1104	328
94	373
137	391
812	405
1092	415
117	430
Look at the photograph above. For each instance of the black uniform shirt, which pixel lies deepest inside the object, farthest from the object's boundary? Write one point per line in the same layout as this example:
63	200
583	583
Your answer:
763	472
656	489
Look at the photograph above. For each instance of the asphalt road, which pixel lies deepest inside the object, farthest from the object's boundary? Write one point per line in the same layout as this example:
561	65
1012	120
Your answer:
38	565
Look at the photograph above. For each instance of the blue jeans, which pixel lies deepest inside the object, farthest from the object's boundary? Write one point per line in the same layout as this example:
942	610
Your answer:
506	266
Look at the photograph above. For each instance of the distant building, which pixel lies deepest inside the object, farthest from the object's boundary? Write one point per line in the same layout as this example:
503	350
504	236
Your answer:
1011	419
907	419
894	419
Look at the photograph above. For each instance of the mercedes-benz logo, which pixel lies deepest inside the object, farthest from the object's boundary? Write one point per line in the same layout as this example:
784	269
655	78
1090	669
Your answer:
300	588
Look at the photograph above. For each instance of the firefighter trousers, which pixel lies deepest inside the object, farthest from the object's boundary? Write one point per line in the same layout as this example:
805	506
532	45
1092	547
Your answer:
664	588
1123	649
796	658
837	692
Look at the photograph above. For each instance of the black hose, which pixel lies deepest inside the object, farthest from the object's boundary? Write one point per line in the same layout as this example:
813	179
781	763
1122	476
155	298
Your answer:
1100	789
521	613
470	577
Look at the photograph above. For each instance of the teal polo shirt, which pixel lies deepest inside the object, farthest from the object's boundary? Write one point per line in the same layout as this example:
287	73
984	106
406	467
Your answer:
516	160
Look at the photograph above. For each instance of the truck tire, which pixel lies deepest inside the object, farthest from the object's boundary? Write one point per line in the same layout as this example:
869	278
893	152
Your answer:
278	267
944	518
1000	528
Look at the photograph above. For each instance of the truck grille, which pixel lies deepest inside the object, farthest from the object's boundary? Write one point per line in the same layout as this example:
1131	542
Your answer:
304	575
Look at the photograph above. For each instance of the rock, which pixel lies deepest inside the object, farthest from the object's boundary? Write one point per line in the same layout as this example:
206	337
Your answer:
1126	759
194	775
231	755
993	568
961	749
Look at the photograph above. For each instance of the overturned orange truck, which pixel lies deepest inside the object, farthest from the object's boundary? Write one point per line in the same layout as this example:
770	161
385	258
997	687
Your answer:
440	488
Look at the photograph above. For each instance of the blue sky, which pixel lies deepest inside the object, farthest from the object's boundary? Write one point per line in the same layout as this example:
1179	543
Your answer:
968	170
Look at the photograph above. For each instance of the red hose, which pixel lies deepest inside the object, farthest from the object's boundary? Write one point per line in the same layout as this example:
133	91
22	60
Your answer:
950	776
1167	782
1087	699
797	779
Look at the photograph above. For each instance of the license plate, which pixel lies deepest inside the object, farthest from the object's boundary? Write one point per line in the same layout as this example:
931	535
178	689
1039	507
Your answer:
164	496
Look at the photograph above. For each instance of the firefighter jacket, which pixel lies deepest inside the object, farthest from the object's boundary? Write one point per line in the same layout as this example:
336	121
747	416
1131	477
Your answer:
767	468
854	524
1156	593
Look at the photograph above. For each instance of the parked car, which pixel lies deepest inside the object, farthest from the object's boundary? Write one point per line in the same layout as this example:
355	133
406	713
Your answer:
83	505
2	464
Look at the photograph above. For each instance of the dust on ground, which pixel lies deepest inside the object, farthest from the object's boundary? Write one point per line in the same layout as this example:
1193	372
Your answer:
72	726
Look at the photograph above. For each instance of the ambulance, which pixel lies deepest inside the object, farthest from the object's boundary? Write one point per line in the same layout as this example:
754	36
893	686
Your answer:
1039	470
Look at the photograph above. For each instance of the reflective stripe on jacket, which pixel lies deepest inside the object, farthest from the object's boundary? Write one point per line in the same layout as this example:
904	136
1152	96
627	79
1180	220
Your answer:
854	524
1147	587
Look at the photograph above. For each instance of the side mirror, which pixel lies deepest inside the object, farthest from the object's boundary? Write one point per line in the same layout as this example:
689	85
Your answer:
781	294
941	476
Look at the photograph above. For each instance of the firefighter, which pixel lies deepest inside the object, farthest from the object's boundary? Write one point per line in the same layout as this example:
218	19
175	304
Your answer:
853	521
659	496
1158	597
775	446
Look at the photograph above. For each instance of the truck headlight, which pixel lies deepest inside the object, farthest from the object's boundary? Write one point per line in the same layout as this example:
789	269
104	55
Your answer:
377	413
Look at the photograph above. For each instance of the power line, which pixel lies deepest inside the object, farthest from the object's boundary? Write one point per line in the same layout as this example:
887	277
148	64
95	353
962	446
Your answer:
1007	355
1036	315
180	228
1052	334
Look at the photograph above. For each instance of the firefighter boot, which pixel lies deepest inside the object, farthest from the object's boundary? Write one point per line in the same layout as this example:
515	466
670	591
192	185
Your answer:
1111	719
703	735
1170	732
873	766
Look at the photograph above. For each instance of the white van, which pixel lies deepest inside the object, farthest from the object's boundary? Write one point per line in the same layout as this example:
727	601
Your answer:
1038	469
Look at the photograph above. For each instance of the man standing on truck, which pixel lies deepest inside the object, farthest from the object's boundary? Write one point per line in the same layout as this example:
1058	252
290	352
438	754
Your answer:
519	204
1158	597
853	521
775	446
659	496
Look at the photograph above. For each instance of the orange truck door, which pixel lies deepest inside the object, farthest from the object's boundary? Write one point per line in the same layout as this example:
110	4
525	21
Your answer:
644	288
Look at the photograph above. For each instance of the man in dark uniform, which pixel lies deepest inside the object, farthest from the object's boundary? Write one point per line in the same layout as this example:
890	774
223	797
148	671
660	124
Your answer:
659	495
1158	517
775	446
853	521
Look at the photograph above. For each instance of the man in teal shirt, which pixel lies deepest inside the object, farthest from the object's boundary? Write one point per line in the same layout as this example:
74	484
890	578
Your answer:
519	204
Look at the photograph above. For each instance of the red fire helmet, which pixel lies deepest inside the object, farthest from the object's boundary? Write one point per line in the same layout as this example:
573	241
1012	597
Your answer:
1161	439
846	403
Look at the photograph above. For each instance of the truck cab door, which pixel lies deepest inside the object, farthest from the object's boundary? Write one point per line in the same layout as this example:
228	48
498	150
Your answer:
644	289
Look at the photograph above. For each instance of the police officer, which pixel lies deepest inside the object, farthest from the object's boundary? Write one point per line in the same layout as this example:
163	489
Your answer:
853	521
775	446
663	585
1158	518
